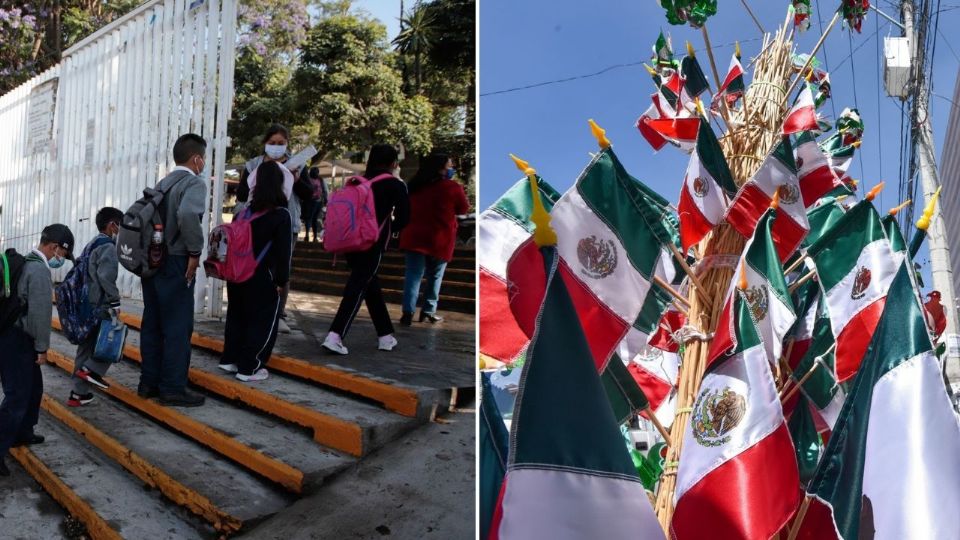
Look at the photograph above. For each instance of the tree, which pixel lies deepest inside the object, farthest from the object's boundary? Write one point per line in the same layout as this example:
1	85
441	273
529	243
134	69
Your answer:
348	90
416	38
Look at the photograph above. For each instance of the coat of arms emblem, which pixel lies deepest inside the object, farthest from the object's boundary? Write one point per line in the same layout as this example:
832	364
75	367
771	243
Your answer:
799	162
789	194
860	283
756	298
715	414
701	187
598	257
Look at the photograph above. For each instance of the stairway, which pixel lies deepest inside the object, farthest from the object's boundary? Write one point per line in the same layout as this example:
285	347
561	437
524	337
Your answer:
128	467
314	270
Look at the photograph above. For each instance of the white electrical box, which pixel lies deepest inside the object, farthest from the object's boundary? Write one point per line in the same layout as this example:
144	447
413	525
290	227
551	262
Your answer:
896	66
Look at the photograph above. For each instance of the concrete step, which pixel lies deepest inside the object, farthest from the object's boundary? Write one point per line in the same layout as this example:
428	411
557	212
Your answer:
188	473
113	495
26	510
459	304
387	267
449	286
284	454
461	259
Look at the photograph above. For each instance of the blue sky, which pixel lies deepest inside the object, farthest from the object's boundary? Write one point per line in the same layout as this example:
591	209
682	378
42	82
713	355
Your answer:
387	11
532	41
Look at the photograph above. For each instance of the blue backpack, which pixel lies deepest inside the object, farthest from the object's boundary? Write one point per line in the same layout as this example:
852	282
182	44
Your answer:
77	316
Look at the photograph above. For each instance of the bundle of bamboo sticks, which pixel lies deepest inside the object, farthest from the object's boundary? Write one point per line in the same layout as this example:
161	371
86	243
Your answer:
753	130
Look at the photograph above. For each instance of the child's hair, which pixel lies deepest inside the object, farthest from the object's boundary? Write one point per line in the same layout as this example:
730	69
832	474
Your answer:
106	216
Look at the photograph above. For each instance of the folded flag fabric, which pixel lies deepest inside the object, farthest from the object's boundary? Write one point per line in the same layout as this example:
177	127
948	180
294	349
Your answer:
681	132
777	174
611	232
738	474
821	218
803	115
503	228
890	469
821	388
855	266
707	185
733	87
573	478
839	154
816	175
494	443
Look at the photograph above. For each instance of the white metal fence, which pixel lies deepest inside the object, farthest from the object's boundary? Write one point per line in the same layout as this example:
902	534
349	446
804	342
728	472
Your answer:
96	129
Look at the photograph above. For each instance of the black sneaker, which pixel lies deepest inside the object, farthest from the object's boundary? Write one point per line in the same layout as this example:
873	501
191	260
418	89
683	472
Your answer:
406	319
77	400
92	378
184	399
32	439
147	392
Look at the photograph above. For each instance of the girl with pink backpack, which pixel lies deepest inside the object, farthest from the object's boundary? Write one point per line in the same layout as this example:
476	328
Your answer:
254	304
359	224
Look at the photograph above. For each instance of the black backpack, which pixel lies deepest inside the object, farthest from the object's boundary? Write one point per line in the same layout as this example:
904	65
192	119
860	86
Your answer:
11	308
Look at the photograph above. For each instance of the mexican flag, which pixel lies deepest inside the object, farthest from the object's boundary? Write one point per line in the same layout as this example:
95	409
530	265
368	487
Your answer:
732	88
503	228
761	284
840	154
655	372
738	473
706	187
855	265
569	474
803	115
817	177
679	131
825	395
777	174
494	442
821	218
611	232
894	234
891	467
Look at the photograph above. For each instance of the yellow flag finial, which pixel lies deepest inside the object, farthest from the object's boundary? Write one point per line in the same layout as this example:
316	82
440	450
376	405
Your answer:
543	234
924	222
839	198
700	109
775	202
856	144
600	134
650	70
899	207
690	52
742	284
872	194
736	50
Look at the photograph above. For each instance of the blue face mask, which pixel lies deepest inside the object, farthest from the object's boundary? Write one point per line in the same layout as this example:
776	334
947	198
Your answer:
451	172
55	262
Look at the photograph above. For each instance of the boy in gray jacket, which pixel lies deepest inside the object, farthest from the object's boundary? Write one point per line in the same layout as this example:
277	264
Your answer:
101	279
24	344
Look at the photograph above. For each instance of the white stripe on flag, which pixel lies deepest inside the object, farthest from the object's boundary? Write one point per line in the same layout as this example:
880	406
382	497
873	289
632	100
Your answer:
499	238
876	257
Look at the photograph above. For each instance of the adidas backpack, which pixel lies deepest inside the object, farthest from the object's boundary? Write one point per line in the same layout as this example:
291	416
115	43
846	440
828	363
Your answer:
11	308
351	221
77	316
136	228
230	253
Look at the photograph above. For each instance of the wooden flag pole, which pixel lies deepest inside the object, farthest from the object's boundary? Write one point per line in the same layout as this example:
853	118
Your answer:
673	292
823	37
656	423
796	387
795	528
796	284
796	264
690	273
752	16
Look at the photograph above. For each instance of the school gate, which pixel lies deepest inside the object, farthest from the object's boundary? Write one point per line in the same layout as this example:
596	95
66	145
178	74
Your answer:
98	127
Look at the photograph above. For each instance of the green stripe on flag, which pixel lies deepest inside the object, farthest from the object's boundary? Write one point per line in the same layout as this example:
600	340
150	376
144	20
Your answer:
654	305
821	386
695	81
744	326
894	234
622	204
806	440
517	203
624	394
711	156
821	219
783	151
762	257
837	251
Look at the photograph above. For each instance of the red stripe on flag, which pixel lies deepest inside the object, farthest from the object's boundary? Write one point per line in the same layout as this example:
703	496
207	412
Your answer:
817	183
501	337
655	388
752	495
854	339
693	224
801	119
601	326
787	234
737	71
662	338
655	139
723	338
682	129
818	524
494	533
746	209
796	354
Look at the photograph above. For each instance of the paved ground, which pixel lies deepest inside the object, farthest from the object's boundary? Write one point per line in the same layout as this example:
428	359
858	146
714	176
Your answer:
420	487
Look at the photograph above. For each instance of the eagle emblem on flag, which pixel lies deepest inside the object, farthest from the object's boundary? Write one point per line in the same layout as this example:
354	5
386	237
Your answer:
701	187
598	257
716	414
756	298
860	283
789	193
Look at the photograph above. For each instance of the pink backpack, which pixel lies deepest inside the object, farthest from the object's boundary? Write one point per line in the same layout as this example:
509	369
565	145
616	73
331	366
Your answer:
230	252
351	223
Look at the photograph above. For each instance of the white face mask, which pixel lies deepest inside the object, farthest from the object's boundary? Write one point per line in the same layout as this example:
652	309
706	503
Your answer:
275	151
396	172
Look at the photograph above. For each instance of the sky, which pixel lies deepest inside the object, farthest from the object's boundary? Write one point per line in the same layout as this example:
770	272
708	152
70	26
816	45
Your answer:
387	11
529	42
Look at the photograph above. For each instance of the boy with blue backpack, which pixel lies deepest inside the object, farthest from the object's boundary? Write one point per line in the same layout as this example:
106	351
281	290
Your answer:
99	259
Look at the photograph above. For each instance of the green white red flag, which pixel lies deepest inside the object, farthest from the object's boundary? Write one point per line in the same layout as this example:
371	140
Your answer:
855	266
569	474
803	115
817	177
777	174
890	469
733	87
738	473
502	229
707	185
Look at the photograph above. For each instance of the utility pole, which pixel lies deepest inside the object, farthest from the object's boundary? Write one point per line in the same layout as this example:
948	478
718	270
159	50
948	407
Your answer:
926	155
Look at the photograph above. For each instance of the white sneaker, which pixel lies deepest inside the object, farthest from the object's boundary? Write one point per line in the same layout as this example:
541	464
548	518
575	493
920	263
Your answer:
334	344
387	342
229	368
283	327
258	375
